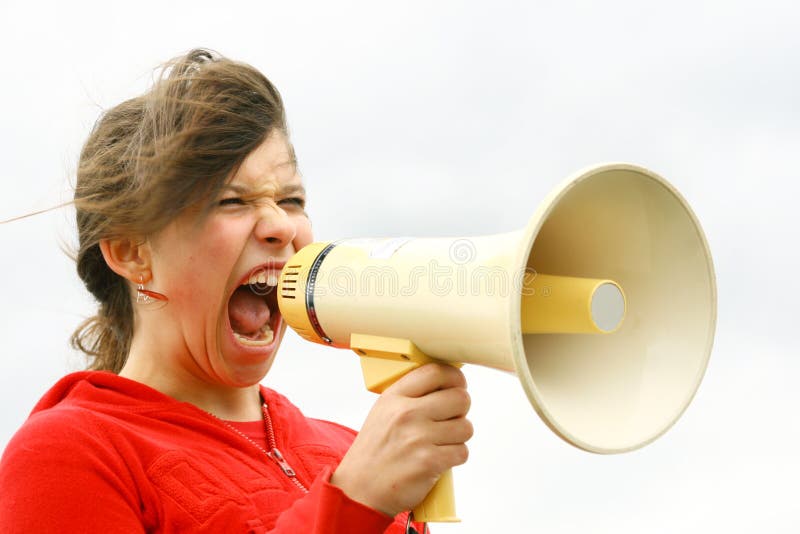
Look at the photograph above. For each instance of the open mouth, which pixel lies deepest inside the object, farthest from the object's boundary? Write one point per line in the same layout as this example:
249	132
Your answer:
253	309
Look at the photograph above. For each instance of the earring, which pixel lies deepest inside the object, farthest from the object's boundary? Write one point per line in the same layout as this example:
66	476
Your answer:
146	296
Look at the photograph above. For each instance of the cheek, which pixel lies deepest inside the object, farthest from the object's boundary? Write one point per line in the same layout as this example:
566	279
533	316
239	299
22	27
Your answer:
200	263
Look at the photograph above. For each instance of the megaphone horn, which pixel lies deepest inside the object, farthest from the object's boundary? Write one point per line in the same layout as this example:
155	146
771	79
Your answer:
614	251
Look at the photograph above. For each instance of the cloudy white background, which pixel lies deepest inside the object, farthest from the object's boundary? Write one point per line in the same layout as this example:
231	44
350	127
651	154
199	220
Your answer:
456	118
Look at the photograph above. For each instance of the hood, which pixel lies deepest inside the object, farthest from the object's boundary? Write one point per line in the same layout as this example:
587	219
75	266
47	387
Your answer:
87	388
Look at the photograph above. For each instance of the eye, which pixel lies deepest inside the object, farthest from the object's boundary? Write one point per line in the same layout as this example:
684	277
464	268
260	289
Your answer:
297	202
236	201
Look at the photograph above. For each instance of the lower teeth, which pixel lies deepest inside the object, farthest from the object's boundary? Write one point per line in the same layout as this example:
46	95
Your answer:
265	338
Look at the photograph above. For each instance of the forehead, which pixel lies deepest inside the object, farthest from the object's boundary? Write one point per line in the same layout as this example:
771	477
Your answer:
271	164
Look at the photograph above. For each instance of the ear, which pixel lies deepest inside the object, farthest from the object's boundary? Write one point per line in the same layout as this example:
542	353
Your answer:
129	258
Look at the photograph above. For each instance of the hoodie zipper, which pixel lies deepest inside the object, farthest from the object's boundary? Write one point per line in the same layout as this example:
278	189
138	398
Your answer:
275	454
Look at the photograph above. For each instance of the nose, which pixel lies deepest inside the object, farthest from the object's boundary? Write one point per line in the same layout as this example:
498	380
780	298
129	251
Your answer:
275	227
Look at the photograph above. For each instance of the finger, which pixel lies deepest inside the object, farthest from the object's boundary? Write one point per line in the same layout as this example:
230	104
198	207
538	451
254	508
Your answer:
454	455
444	404
428	378
452	432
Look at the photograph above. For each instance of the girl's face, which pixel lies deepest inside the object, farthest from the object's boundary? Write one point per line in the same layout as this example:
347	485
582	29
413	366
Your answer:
220	274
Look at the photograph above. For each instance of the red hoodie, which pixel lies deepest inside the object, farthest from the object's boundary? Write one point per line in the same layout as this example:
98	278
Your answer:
101	453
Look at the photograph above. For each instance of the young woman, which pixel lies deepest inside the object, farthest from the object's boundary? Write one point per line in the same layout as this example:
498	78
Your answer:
188	204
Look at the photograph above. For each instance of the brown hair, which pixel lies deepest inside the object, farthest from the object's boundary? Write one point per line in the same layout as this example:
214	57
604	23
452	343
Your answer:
149	159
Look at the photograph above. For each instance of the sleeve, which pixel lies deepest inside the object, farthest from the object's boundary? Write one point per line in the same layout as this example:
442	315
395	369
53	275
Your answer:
326	509
70	469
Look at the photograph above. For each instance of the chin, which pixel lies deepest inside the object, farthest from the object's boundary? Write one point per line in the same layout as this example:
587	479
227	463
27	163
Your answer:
248	363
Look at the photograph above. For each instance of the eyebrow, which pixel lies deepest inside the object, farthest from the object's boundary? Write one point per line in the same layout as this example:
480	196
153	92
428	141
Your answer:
290	189
293	189
238	189
292	161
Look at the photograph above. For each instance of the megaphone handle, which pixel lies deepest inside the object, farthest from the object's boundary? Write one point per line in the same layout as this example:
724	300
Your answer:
439	505
384	360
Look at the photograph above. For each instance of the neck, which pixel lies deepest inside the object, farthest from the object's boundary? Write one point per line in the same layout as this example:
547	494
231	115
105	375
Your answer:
229	403
238	404
183	380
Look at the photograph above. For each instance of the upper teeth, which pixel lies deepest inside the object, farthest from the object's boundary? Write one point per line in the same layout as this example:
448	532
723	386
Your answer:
270	279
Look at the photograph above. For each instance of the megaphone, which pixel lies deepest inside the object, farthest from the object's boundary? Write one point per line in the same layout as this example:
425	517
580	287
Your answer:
604	306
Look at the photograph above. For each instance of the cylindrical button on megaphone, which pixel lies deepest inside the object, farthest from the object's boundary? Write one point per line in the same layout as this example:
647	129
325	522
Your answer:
571	305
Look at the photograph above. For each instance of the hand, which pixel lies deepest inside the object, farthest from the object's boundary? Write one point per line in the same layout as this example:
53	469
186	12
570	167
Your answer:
416	430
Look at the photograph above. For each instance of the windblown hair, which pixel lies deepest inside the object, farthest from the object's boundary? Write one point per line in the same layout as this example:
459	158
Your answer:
151	158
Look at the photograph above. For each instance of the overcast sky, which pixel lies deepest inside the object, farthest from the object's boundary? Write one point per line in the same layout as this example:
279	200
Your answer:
456	118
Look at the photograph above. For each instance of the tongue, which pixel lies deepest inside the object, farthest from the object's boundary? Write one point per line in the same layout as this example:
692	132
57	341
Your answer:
248	312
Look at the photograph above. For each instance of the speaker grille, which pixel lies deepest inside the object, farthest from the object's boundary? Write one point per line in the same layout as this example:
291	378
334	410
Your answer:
291	275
